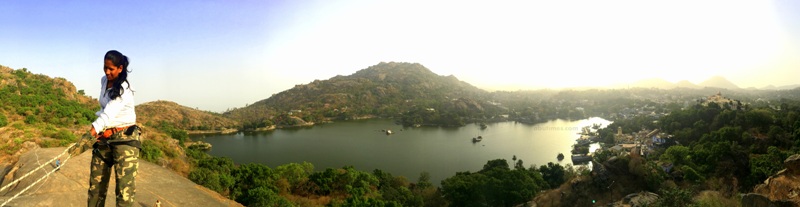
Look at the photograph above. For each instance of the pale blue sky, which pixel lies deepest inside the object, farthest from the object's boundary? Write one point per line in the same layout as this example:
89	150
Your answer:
216	55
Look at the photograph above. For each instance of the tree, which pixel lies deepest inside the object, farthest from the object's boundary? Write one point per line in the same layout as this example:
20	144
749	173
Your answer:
689	174
465	189
678	155
263	196
250	176
424	180
295	173
553	174
495	185
759	118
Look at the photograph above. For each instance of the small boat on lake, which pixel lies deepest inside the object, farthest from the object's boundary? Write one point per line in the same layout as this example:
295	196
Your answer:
389	131
477	139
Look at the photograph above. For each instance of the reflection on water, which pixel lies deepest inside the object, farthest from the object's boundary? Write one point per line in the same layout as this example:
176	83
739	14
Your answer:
408	151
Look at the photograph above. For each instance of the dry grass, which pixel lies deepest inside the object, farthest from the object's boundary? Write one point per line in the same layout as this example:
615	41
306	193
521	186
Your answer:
715	199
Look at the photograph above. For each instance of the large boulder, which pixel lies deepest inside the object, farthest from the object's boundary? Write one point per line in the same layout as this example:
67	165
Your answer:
641	199
792	164
758	200
783	187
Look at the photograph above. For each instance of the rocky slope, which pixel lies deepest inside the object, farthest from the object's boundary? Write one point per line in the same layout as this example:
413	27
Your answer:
385	89
68	186
182	117
783	187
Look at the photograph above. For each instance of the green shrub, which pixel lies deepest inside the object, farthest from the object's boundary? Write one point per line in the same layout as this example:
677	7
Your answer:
31	119
263	196
174	132
3	120
150	151
690	174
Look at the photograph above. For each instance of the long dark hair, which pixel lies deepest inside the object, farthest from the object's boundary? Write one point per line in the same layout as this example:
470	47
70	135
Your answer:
119	60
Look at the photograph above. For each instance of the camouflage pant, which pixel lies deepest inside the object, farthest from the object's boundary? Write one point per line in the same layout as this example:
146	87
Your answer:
125	162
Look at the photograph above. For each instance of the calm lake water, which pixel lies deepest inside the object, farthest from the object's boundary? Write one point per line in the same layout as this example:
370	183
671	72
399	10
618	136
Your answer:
409	151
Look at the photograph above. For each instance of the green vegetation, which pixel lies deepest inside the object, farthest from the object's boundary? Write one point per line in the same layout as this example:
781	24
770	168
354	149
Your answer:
174	132
37	108
3	120
150	151
298	183
724	150
749	145
676	197
39	98
497	184
408	92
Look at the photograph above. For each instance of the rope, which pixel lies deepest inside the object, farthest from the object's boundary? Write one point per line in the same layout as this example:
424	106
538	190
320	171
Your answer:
36	152
34	170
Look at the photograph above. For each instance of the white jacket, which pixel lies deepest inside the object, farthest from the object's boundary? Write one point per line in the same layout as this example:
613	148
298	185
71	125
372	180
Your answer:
114	113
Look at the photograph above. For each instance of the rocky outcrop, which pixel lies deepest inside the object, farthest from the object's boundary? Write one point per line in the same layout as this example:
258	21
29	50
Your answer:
640	199
68	186
782	188
758	200
792	164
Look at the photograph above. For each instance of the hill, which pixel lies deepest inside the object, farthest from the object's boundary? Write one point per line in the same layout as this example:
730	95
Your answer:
713	82
687	84
68	186
35	107
384	90
786	87
719	82
182	117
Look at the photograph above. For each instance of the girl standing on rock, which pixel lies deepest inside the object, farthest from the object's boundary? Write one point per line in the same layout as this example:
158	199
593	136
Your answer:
117	135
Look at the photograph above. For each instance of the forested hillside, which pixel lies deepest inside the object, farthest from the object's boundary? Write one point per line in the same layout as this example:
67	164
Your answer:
37	108
407	90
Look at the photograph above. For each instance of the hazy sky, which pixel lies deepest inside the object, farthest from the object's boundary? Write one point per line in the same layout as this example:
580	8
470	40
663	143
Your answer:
216	55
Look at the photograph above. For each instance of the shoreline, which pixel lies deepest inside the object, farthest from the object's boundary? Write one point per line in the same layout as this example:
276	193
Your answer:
222	131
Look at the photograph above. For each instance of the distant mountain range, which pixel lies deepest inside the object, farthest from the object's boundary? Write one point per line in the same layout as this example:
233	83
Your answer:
713	82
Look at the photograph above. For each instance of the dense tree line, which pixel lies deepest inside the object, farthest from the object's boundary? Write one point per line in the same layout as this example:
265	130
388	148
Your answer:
497	184
299	183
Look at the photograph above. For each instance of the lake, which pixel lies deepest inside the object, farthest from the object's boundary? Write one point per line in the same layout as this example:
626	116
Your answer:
440	151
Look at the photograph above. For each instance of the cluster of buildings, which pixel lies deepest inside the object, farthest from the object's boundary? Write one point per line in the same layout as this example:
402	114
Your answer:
640	143
723	102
